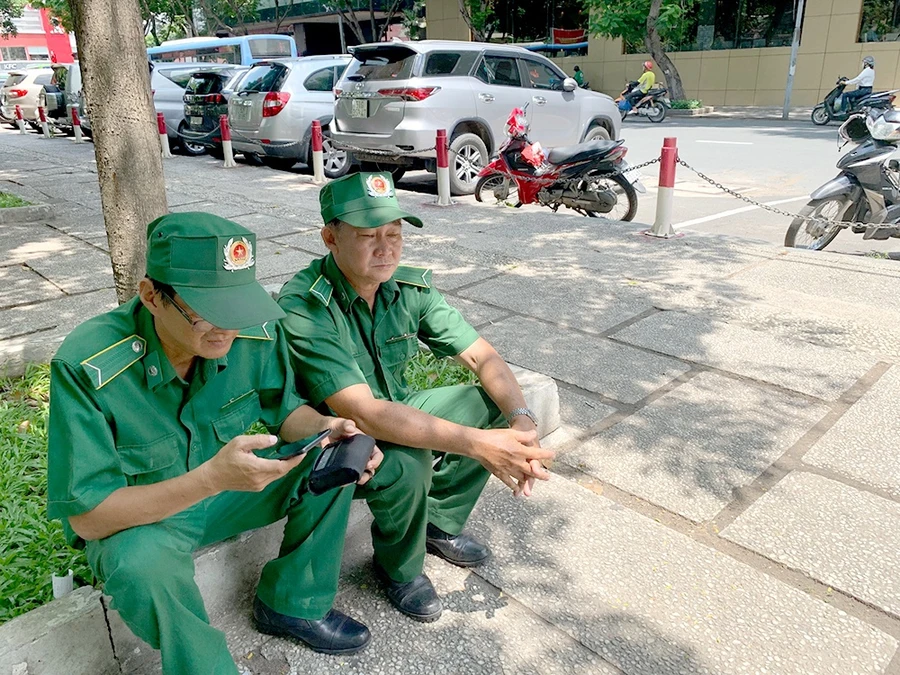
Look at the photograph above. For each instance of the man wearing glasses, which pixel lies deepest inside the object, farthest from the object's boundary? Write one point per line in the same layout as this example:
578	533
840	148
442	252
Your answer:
149	458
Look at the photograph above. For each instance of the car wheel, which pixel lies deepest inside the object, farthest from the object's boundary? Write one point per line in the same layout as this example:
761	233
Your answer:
468	156
192	149
397	172
337	162
596	134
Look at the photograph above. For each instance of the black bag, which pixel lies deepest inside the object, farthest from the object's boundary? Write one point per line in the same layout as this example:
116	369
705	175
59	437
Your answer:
341	463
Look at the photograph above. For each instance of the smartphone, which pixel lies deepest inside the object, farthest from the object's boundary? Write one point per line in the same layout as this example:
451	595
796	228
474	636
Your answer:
291	450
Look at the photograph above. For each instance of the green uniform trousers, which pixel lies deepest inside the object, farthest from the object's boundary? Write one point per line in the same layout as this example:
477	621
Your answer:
149	570
413	487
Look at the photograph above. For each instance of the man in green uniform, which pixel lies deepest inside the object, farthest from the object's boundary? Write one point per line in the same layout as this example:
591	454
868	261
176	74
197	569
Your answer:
148	459
354	320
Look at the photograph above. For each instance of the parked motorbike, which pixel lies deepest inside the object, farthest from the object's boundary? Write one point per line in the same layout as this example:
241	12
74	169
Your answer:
867	191
653	105
830	110
569	176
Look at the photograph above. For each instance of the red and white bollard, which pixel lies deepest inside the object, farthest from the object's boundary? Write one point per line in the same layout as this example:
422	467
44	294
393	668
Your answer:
662	226
163	135
227	150
76	124
318	158
42	115
20	119
443	168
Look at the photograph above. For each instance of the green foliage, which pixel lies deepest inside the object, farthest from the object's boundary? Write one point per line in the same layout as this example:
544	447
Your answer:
60	12
628	20
8	201
32	548
414	20
9	10
480	17
688	104
425	371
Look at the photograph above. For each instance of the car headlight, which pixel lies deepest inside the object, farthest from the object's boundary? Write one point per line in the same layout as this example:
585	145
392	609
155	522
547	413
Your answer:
883	130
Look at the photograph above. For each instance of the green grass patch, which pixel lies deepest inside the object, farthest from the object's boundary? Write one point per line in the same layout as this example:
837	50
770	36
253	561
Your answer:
687	104
8	201
425	371
32	548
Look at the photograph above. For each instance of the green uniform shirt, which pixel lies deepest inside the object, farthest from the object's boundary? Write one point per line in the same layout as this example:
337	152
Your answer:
120	415
327	322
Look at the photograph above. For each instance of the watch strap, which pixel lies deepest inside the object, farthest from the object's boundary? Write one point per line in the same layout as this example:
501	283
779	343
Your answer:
528	412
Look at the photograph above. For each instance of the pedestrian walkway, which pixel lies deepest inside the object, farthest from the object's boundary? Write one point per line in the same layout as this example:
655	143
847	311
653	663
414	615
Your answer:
726	497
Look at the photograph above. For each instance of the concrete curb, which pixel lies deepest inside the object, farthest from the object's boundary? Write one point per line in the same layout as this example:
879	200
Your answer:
693	112
76	634
26	214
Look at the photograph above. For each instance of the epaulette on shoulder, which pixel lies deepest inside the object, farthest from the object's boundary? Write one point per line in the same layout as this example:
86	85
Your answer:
262	332
322	290
107	364
414	276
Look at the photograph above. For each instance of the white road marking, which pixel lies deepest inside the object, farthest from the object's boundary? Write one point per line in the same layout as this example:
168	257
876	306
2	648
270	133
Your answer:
726	142
725	214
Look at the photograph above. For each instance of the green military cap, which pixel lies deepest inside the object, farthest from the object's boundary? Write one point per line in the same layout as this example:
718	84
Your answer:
364	200
211	264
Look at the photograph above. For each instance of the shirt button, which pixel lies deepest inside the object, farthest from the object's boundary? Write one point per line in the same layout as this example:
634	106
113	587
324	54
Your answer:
136	346
152	370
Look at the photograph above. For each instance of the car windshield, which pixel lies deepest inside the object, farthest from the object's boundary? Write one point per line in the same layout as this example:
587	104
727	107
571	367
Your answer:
381	63
205	83
265	78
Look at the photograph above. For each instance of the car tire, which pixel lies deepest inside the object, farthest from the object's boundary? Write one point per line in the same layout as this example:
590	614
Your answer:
397	172
337	162
188	148
468	156
596	133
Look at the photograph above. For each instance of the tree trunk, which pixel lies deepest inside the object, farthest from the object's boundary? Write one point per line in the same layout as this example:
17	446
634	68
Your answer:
654	45
126	142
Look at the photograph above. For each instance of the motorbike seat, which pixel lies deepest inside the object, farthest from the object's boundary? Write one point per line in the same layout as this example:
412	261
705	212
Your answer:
574	153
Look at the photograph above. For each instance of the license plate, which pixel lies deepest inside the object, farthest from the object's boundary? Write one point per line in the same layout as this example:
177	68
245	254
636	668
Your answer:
196	121
359	107
242	113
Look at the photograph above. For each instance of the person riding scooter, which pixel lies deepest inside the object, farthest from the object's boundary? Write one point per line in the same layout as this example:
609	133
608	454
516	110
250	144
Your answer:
864	83
644	84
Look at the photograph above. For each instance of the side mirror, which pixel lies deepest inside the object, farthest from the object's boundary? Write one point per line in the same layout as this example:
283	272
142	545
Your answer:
569	84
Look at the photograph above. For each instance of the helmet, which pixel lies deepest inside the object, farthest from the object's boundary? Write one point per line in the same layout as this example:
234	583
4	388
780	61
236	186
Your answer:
869	61
648	65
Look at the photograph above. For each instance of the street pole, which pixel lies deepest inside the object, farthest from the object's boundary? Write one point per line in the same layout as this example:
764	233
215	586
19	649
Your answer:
341	30
795	45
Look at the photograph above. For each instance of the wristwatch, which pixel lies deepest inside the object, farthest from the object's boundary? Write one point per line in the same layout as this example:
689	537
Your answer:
528	412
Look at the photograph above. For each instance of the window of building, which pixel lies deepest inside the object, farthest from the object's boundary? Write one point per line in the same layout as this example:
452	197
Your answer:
733	24
880	21
13	53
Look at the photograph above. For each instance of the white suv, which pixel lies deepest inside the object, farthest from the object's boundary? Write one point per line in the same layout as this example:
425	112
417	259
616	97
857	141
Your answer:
394	96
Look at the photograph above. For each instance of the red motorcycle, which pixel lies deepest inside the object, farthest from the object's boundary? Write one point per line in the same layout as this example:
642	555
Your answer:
572	176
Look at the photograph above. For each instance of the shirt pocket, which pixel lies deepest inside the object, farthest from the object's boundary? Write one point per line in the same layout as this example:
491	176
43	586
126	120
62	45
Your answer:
396	353
366	364
236	417
147	463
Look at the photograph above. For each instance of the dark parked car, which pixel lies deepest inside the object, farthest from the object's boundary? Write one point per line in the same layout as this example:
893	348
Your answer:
205	99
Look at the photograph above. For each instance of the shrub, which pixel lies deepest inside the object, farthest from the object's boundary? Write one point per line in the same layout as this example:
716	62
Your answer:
687	104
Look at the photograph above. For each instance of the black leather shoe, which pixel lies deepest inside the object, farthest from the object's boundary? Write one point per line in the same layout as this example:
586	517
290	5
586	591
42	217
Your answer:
337	633
461	549
417	598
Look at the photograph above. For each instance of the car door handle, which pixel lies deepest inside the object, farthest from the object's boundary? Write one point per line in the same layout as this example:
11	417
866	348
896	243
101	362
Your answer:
487	98
540	100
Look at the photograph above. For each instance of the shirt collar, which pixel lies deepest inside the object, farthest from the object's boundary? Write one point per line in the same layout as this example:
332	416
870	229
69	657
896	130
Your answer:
344	293
157	367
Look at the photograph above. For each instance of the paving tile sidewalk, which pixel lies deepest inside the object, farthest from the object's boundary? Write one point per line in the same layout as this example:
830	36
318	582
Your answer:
725	497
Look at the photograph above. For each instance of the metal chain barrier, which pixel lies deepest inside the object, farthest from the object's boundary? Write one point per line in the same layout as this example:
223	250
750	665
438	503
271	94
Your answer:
781	212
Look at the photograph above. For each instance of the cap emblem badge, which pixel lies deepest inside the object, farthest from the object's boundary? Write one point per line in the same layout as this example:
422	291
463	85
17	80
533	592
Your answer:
378	186
238	254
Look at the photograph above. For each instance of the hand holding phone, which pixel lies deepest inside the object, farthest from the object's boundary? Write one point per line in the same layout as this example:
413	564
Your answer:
300	448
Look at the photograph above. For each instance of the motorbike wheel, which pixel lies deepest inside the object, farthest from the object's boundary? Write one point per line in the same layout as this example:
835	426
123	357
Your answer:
819	115
657	112
495	187
816	236
625	207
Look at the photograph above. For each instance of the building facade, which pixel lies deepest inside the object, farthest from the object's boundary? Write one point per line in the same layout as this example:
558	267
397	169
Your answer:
37	39
728	65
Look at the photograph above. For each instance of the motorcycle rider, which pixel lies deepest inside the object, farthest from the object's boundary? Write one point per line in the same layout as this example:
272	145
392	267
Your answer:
644	84
864	83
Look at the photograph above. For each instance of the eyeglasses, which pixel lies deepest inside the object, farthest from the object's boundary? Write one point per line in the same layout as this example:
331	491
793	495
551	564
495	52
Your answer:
197	325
